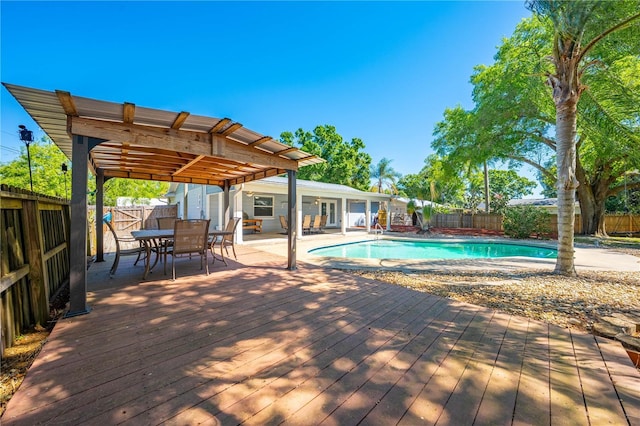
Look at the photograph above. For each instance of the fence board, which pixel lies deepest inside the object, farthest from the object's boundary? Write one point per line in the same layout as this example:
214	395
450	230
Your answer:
614	224
34	259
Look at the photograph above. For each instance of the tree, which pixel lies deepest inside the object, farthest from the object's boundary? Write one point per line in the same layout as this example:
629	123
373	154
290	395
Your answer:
578	29
383	173
514	117
49	179
506	185
46	166
346	162
139	190
434	182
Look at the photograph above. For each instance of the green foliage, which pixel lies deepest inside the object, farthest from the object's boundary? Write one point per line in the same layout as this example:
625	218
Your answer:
513	119
384	174
524	221
48	178
139	190
46	169
346	162
434	182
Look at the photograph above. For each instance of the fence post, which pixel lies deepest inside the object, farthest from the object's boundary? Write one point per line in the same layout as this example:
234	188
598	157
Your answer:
33	240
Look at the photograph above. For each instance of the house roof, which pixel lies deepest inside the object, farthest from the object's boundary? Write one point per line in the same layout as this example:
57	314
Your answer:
322	187
143	143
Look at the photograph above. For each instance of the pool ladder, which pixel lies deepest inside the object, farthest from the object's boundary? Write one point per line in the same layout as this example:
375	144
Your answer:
377	228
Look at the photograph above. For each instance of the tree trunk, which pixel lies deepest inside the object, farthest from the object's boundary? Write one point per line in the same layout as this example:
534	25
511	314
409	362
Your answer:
566	162
592	196
487	207
592	212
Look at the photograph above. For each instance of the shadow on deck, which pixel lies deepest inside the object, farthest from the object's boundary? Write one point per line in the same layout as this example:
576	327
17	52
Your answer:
255	343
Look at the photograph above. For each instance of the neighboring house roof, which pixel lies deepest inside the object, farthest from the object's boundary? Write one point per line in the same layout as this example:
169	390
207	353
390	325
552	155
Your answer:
415	201
534	202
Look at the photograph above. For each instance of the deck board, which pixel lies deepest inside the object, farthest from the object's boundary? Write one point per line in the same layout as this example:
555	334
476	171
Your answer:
257	344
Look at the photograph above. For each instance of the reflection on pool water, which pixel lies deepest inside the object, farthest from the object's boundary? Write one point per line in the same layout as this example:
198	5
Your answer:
395	249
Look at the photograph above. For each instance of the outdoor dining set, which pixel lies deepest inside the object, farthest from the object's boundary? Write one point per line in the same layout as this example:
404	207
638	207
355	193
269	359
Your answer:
174	237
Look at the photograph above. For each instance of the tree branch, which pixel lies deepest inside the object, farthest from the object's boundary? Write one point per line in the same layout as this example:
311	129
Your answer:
533	164
615	190
606	33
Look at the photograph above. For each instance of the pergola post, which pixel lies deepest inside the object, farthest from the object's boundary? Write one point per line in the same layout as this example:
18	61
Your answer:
291	220
99	210
78	237
225	196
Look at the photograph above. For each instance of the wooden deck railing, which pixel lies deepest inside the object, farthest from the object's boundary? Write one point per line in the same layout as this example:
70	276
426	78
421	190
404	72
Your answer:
34	263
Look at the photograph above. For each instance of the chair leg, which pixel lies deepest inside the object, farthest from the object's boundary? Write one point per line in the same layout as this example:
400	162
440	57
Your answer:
114	267
233	248
165	261
173	267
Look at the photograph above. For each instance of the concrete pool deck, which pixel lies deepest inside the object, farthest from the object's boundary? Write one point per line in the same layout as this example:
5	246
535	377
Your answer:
587	258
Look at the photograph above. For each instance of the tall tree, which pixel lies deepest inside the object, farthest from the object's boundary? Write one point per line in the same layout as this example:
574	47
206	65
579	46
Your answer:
346	162
435	182
384	174
578	29
514	117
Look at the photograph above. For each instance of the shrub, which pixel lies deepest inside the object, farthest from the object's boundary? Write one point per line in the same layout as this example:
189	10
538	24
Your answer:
523	221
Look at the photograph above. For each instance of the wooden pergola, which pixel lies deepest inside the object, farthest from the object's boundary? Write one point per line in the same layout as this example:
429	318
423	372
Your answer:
127	141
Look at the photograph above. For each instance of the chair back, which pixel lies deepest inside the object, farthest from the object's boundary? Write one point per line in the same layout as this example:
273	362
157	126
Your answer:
316	222
231	226
190	236
323	221
283	223
113	232
306	222
166	222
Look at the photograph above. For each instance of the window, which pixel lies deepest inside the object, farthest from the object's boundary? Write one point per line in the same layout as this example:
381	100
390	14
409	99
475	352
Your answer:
262	206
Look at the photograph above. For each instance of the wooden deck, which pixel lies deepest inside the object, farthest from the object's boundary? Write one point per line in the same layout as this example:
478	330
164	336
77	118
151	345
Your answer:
254	343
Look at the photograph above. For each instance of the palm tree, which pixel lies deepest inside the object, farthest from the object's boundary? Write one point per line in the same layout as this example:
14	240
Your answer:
384	173
578	28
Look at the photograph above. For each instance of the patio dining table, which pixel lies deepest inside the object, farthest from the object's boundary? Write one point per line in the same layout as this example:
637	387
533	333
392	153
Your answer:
152	240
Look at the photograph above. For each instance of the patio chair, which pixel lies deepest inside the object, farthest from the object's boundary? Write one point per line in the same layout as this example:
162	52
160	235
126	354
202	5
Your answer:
165	223
189	237
125	246
316	224
306	223
284	224
226	241
323	222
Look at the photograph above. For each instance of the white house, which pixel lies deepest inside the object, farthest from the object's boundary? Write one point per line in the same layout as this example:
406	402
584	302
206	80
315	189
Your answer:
266	200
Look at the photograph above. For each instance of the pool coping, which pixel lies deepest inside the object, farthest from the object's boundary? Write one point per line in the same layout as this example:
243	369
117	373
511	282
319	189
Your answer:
587	258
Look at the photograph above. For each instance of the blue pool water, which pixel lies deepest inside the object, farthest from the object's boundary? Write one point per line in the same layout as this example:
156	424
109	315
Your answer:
395	249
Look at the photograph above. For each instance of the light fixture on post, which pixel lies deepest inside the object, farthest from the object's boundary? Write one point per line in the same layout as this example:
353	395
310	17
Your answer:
65	169
249	194
26	136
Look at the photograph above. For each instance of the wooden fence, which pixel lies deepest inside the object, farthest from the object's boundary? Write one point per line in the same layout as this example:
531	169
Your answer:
34	253
614	223
34	256
127	219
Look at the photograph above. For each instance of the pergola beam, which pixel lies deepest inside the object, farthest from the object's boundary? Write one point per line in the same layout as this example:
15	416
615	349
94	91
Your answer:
178	140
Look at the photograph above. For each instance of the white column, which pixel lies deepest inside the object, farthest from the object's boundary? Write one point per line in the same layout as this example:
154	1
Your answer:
237	212
367	215
299	215
343	212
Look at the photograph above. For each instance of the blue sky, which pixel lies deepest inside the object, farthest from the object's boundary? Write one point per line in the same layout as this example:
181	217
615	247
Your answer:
383	72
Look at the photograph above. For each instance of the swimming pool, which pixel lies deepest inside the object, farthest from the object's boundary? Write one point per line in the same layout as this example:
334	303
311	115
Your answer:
397	249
